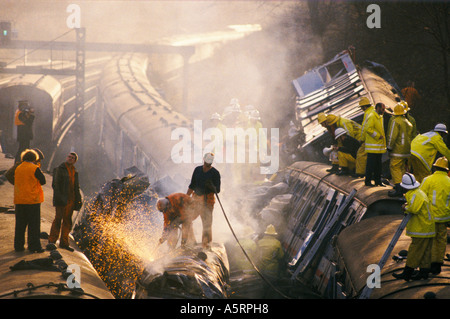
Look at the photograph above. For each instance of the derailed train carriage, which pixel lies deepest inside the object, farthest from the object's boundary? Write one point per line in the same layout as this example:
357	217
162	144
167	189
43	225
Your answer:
136	122
337	228
336	87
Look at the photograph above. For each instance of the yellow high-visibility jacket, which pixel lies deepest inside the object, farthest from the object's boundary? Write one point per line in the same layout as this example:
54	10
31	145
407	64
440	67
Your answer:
437	188
271	254
367	112
413	123
425	146
398	139
373	132
421	224
353	129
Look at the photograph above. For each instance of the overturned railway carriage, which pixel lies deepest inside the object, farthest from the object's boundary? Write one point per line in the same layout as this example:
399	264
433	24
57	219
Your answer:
322	205
136	123
44	94
363	244
336	88
57	274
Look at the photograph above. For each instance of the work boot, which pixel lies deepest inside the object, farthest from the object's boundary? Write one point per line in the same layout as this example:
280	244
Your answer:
396	192
343	171
435	268
334	169
422	274
405	275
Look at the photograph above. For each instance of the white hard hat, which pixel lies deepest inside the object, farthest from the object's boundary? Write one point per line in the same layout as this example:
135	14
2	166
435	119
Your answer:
327	151
409	181
339	132
208	158
234	101
254	115
216	116
440	128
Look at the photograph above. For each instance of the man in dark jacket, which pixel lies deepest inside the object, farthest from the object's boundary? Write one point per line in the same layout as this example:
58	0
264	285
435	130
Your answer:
66	199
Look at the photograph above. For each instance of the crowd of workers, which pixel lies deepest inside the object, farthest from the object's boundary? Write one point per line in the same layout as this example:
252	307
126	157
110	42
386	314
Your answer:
415	173
234	116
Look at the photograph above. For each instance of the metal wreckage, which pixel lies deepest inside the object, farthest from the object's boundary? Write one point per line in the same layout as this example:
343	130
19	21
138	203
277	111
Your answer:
118	230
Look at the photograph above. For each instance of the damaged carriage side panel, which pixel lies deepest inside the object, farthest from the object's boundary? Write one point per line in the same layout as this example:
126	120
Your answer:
321	206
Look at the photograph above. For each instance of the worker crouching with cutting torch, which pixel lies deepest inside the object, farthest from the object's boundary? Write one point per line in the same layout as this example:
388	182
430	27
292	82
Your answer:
178	211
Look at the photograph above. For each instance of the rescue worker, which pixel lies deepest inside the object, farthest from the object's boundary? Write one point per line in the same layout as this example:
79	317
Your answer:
248	243
178	211
271	253
375	144
410	118
398	144
424	148
420	228
216	121
24	119
437	188
66	199
353	130
28	196
331	152
205	182
347	153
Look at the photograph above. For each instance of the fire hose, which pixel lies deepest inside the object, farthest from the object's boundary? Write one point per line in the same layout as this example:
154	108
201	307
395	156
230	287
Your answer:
245	253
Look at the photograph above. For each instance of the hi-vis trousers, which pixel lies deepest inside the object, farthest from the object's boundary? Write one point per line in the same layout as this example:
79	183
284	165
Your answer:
439	243
419	253
397	166
418	169
361	160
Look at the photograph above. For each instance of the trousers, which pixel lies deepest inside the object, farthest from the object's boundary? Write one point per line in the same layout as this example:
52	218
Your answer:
373	167
205	204
439	243
419	253
63	216
27	216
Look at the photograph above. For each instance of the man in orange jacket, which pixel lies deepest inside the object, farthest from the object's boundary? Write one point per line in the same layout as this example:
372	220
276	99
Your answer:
28	196
178	211
24	119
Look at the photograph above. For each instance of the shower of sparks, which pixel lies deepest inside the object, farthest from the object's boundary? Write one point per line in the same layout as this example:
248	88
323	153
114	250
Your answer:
120	235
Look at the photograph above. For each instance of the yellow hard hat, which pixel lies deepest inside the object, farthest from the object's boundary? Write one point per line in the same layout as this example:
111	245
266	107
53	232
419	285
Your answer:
321	117
399	109
441	162
270	230
364	101
405	105
331	119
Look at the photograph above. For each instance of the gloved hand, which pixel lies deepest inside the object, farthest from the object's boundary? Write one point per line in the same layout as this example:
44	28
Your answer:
210	186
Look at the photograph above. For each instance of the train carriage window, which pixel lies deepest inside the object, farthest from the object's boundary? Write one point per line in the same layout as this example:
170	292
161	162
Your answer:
110	137
351	215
